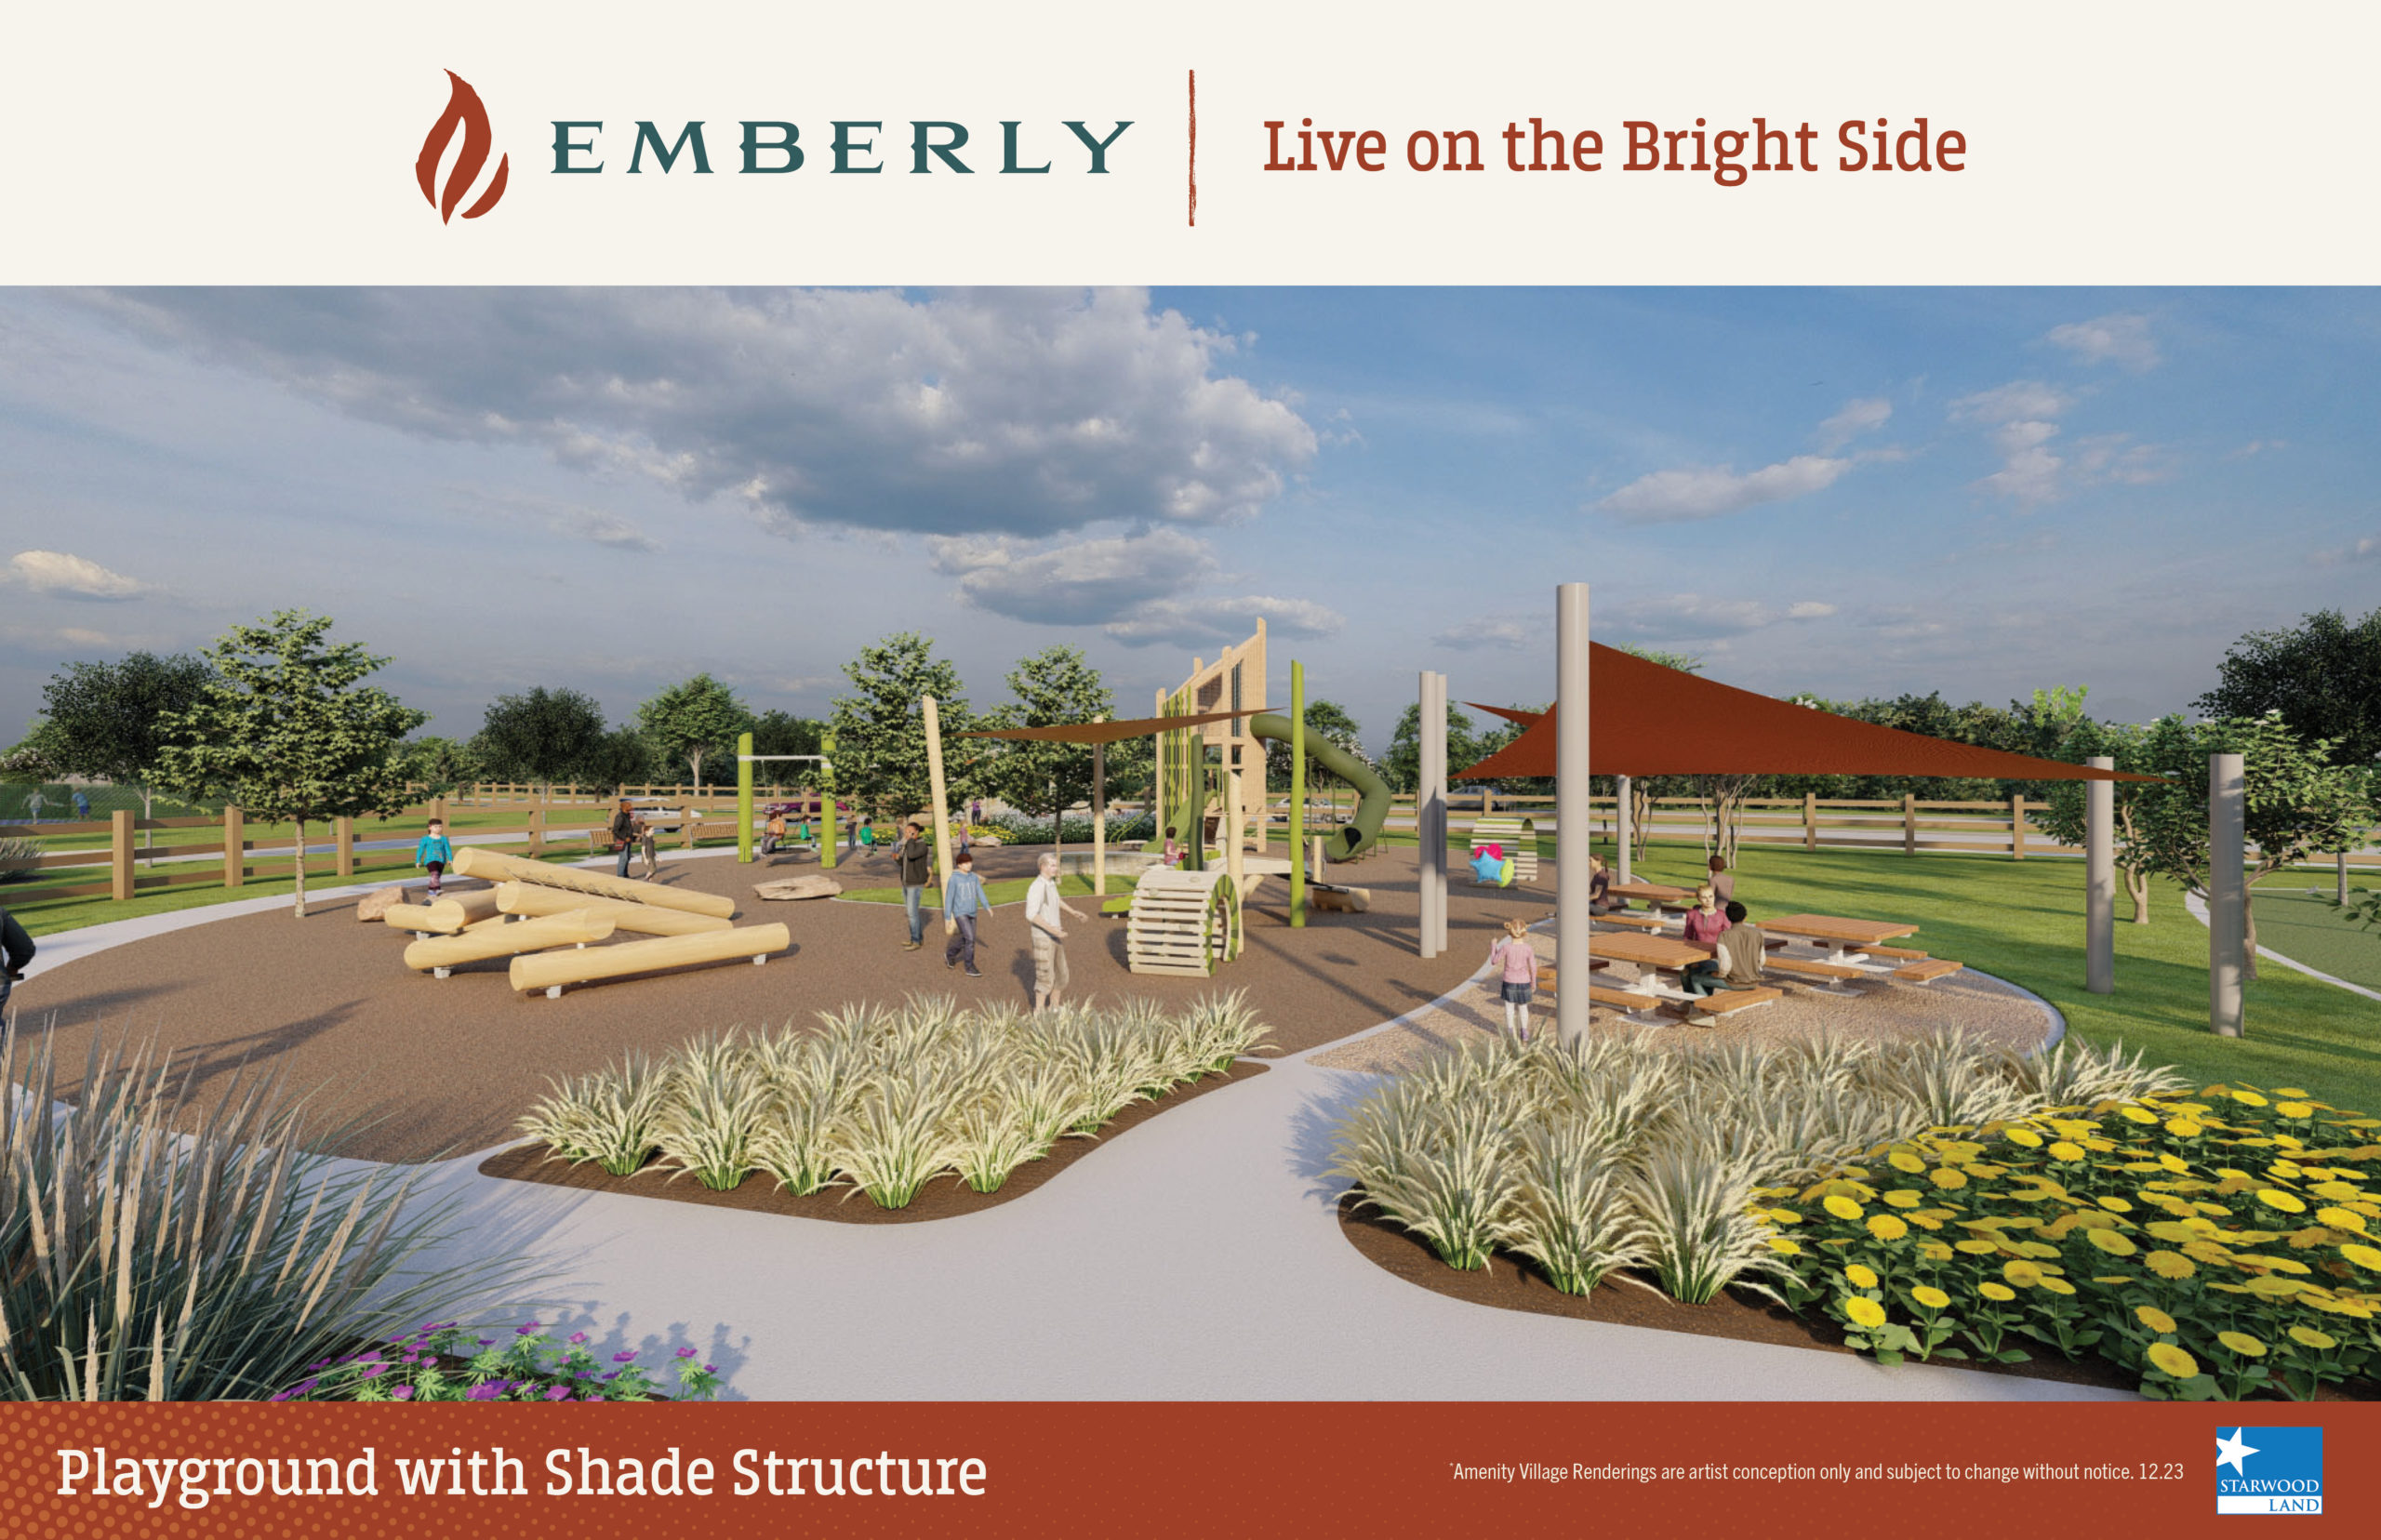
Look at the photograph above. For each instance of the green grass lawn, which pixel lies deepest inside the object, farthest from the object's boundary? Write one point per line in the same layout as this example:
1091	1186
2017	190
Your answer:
2305	928
2023	921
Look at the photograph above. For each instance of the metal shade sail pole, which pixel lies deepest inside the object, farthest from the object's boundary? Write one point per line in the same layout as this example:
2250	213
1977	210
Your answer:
1571	817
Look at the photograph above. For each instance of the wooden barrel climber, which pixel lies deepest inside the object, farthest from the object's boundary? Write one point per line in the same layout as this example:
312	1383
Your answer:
1182	924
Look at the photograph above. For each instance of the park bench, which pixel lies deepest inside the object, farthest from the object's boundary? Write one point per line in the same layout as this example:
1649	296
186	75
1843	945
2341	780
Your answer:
1926	972
1646	922
1729	1001
1899	954
1829	977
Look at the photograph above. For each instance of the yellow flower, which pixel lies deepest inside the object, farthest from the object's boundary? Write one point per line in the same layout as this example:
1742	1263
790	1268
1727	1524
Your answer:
1783	1247
1977	1248
1885	1227
2111	1243
1996	1291
2275	1288
2025	1136
2166	1264
2115	1205
2340	1219
2175	1163
1864	1311
1860	1276
2309	1336
2293	1091
2057	1286
2272	1198
2183	1128
2337	1190
2366	1257
1934	1251
2248	1098
2063	1151
2294	1110
2172	1360
1843	1208
2137	1114
2242	1344
1902	1159
2022	1273
2154	1318
1784	1216
1948	1178
1905	1197
1935	1299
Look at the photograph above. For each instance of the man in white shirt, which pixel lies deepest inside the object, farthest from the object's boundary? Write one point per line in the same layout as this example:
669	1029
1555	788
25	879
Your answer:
1043	919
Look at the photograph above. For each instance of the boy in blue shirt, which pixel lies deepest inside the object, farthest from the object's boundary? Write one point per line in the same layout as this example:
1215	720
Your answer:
963	900
436	853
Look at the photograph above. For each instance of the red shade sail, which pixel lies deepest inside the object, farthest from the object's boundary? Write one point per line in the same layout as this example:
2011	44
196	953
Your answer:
1647	720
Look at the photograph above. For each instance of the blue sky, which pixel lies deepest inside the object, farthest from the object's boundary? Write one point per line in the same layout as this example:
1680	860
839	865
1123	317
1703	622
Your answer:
1849	492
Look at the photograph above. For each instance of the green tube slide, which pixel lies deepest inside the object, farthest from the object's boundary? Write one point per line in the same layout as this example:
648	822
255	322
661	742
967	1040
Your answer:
1372	809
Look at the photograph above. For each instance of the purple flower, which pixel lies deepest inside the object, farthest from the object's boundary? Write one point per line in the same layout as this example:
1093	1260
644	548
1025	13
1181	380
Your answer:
307	1388
282	1395
403	1392
613	1375
711	1368
372	1369
560	1392
577	1337
622	1357
592	1395
489	1391
530	1329
487	1342
686	1352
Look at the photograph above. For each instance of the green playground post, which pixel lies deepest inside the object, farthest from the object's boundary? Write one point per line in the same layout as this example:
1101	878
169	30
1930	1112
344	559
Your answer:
1297	794
744	798
827	800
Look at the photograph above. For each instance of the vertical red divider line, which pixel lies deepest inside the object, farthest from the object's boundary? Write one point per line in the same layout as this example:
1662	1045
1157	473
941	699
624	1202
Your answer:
1194	149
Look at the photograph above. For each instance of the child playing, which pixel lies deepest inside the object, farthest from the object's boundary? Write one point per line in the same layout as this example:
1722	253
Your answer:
1173	848
436	853
1519	961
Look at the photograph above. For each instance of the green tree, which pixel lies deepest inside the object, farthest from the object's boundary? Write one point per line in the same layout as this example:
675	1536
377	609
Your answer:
107	720
1056	686
881	735
621	757
1402	766
2325	678
687	722
287	730
2298	802
783	733
542	736
439	764
2064	814
35	757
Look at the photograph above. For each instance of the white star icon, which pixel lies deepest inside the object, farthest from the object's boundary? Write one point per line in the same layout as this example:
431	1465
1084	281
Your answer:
2232	1451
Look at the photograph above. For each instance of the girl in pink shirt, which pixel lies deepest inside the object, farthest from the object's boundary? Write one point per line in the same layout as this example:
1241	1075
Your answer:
1517	963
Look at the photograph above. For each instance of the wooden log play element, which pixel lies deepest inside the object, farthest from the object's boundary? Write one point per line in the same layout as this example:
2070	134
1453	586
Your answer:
551	971
644	918
441	953
1182	924
477	861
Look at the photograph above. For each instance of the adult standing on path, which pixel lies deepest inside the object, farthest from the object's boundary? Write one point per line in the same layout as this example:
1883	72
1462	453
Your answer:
649	842
963	900
15	951
1044	912
624	834
916	857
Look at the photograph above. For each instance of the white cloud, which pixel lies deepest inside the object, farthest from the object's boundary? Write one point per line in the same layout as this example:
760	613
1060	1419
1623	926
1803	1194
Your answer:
1708	491
2258	447
1077	583
2013	402
2115	458
1491	631
2366	550
1014	411
1865	416
1685	616
70	577
1196	622
2123	340
600	528
2016	418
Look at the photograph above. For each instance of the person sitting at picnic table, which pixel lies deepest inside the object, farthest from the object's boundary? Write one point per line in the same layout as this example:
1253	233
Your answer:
1703	922
1723	884
1600	898
1735	959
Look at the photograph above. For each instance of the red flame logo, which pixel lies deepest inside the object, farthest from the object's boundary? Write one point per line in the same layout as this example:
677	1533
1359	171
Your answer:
464	113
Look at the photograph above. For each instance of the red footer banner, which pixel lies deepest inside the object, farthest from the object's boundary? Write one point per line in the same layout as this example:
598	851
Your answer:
1170	1468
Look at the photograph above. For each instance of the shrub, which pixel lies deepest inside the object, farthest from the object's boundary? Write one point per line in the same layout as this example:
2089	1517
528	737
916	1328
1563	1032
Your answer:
445	1361
886	1100
1018	828
18	859
151	1249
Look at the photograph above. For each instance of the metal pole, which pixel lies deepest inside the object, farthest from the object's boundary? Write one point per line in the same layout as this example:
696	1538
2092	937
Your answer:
827	800
2227	895
1430	803
744	797
1627	833
1098	817
2100	881
1571	815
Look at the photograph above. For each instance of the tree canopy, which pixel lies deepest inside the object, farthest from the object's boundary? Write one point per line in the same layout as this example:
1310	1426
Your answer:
880	758
692	720
107	720
543	736
1054	686
287	730
2325	678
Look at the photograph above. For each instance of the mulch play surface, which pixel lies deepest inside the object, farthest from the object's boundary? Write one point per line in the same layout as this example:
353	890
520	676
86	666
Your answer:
437	1068
943	1197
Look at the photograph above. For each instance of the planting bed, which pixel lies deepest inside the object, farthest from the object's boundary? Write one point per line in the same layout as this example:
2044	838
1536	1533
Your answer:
945	1197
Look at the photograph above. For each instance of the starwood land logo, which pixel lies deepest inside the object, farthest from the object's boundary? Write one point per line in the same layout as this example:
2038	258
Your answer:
466	116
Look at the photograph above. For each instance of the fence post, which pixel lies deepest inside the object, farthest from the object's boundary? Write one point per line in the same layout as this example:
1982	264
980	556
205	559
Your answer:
1810	821
686	826
235	847
343	831
1909	823
438	807
536	832
2017	827
120	855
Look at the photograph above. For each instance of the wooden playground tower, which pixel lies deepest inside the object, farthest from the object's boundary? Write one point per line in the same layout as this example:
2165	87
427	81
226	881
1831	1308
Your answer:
1189	780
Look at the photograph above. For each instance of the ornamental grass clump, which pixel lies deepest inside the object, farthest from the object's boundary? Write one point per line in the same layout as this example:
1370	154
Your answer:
154	1248
1615	1157
2218	1242
884	1100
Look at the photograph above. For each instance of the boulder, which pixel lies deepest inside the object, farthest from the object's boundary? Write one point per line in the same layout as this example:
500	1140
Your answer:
799	887
376	904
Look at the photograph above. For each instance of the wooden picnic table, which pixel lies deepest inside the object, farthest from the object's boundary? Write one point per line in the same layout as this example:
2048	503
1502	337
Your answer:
1652	892
1844	938
1648	953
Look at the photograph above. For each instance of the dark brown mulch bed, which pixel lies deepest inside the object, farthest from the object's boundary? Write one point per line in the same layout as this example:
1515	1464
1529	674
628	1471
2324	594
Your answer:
945	1197
1510	1284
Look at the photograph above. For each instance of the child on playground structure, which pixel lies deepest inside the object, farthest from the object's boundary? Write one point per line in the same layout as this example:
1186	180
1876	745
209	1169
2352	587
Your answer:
623	833
963	903
1173	855
773	835
1703	922
436	853
1518	980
